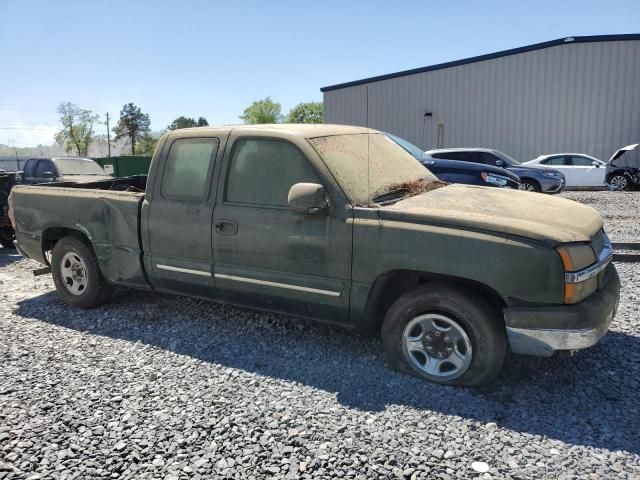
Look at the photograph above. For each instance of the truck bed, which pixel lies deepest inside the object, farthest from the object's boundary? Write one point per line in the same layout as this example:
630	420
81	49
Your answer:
106	212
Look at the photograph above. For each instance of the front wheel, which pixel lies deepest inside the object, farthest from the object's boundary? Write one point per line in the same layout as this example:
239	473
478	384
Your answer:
445	335
619	182
76	274
530	186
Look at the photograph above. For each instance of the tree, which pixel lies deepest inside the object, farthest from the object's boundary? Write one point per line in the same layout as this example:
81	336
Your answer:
132	125
187	122
262	111
306	112
147	144
77	128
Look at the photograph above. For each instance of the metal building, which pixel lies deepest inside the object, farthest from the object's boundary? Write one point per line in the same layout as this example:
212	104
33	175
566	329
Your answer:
576	94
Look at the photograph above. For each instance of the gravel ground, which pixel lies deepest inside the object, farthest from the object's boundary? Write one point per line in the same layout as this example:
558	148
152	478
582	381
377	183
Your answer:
620	211
156	386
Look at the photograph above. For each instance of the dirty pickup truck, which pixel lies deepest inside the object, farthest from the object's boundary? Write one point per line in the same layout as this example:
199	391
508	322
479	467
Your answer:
338	224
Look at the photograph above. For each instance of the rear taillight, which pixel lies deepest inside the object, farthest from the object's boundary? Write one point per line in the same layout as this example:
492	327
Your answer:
10	212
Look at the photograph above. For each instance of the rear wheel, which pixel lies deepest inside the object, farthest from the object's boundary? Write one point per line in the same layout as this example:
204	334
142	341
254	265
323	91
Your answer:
530	186
619	182
7	235
445	335
76	274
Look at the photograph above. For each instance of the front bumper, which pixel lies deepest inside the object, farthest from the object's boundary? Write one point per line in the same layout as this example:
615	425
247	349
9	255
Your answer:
541	331
551	185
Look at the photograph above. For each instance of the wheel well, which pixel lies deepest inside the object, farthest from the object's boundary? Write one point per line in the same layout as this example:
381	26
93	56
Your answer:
51	236
390	286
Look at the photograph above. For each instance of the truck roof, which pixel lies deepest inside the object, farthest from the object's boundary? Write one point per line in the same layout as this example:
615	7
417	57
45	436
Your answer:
305	130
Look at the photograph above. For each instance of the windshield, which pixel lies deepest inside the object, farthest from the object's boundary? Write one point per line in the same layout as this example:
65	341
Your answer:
507	158
79	166
409	147
367	165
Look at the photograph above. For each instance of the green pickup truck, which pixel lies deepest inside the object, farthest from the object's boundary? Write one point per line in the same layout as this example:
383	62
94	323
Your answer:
338	224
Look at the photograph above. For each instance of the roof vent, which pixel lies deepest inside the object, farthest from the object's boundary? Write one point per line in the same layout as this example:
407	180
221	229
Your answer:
569	39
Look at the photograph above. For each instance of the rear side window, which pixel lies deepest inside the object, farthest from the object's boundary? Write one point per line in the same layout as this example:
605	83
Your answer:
263	170
186	170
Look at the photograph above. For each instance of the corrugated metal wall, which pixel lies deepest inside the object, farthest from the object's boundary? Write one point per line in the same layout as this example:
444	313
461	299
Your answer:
582	97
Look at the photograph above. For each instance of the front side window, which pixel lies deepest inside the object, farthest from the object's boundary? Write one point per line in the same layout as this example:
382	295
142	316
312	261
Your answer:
187	168
262	171
582	162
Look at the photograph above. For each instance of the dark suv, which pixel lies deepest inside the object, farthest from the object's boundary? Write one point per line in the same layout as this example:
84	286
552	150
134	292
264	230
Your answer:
533	178
62	169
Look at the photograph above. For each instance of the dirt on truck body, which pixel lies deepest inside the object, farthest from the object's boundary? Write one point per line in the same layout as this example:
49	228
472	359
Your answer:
338	224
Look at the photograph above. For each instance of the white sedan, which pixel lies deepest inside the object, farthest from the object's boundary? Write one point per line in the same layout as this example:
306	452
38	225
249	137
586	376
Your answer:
580	170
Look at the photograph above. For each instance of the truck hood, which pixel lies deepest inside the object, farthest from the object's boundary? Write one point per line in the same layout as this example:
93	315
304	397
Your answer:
531	215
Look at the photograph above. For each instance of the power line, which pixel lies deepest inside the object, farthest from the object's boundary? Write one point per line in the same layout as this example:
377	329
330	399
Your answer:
25	128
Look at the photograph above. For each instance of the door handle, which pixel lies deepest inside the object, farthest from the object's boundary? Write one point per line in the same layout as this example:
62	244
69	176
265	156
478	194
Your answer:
226	227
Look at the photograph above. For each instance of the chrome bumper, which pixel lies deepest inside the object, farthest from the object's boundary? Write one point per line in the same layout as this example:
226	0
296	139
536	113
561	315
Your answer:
544	342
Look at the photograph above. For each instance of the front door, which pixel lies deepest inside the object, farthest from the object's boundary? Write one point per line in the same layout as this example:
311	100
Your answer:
589	175
268	255
178	250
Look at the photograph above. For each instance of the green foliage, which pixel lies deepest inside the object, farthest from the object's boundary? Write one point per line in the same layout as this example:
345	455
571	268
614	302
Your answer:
187	122
306	112
262	111
147	144
77	128
132	125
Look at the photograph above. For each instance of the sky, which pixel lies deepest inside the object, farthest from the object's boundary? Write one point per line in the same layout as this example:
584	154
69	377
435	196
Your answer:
213	58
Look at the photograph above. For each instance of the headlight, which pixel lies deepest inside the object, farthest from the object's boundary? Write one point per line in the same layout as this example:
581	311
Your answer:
577	257
552	174
494	179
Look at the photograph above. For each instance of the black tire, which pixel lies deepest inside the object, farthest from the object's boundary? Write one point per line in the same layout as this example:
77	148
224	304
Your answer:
618	182
7	236
477	317
530	185
96	290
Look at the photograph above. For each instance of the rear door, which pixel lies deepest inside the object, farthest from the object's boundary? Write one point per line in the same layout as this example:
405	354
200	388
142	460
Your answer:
178	216
266	254
562	163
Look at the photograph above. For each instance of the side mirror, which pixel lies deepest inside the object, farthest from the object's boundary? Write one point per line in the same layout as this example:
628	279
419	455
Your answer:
499	163
595	164
49	175
307	198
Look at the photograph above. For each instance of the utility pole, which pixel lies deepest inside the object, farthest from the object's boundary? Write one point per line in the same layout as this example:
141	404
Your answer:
108	137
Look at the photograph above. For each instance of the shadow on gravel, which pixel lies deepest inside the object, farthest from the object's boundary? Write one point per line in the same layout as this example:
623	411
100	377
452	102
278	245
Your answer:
8	256
590	399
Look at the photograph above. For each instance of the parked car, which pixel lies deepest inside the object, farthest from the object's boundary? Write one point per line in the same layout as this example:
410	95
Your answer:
533	178
579	170
62	169
339	224
454	171
623	175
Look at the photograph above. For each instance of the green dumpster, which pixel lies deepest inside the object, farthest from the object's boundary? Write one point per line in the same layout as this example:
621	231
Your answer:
125	166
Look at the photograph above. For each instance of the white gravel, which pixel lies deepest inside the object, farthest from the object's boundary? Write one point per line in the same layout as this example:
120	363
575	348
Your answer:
156	386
